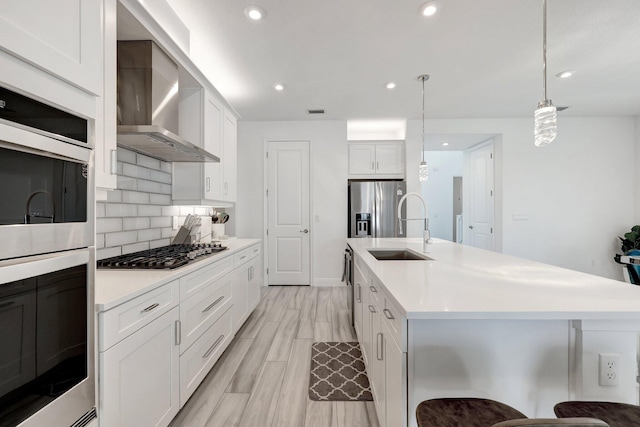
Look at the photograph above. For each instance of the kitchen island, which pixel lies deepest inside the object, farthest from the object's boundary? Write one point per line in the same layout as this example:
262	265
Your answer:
477	323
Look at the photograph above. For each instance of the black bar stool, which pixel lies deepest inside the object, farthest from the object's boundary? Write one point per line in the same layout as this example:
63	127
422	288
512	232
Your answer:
553	422
467	412
613	413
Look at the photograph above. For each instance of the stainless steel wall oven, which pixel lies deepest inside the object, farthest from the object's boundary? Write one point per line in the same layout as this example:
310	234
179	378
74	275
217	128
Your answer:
47	265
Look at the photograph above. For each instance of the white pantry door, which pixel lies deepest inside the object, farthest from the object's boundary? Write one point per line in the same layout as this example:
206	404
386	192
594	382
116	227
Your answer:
480	232
288	231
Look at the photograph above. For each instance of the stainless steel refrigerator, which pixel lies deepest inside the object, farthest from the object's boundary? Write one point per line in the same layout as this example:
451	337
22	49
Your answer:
373	208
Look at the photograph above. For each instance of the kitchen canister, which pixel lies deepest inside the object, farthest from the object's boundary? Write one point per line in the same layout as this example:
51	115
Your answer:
218	231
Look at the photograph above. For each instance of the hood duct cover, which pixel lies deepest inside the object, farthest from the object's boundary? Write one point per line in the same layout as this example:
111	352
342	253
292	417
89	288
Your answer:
148	105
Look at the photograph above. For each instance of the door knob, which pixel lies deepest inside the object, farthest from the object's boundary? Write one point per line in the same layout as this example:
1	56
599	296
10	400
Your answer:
471	227
305	231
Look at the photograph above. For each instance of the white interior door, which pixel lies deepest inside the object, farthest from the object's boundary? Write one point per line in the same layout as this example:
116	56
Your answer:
480	224
288	231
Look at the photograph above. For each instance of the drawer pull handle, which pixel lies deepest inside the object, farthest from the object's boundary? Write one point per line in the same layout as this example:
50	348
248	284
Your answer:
388	314
213	304
359	299
379	344
372	309
151	307
178	332
373	289
243	257
213	347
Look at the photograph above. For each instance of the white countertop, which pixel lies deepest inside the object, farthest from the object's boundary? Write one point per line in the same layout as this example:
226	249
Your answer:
113	287
463	282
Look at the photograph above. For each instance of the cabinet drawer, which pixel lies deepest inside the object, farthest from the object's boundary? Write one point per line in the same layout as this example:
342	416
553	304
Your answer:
196	362
199	279
375	290
241	257
396	321
254	251
123	320
200	311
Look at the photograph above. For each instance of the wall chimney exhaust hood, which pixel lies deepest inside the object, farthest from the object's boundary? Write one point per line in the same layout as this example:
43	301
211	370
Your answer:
148	105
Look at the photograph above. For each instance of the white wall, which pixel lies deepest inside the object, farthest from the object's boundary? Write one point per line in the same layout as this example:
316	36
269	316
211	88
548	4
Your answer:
437	191
328	187
579	192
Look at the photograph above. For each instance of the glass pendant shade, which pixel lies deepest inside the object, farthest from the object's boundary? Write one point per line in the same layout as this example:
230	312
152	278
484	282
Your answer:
545	123
423	172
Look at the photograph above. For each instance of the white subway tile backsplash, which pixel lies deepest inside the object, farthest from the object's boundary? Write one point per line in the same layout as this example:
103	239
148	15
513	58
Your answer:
99	240
149	234
135	171
148	162
160	176
126	156
119	210
170	210
138	223
138	215
136	197
108	252
127	183
108	225
159	199
149	186
161	221
114	196
159	243
149	210
186	210
121	238
101	210
127	249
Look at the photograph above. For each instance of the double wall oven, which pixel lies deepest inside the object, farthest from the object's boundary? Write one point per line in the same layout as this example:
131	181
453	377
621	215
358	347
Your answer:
47	265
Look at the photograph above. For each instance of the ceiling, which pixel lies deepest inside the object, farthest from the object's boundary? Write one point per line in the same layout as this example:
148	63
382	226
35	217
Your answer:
484	57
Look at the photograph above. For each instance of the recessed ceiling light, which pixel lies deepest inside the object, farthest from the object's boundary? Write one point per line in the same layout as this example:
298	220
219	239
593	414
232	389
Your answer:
391	85
278	86
565	74
429	8
444	144
255	13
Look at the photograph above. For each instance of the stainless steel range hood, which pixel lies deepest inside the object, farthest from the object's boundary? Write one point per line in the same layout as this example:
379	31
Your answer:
148	105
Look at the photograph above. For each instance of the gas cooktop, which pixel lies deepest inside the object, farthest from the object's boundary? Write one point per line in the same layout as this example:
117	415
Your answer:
165	257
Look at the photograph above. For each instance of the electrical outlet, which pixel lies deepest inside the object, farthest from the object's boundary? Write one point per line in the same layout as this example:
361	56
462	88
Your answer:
609	369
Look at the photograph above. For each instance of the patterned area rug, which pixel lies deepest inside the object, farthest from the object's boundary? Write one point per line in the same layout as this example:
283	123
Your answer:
338	372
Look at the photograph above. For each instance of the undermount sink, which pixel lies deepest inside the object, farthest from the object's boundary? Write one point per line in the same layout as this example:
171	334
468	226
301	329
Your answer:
397	255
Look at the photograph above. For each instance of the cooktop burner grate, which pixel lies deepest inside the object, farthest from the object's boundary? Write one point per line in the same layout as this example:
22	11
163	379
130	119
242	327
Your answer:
165	257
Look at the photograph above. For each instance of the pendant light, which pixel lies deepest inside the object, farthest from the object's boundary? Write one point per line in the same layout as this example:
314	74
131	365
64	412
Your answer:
545	117
423	171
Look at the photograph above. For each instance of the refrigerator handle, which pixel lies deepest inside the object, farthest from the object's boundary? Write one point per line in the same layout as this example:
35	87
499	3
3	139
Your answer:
376	209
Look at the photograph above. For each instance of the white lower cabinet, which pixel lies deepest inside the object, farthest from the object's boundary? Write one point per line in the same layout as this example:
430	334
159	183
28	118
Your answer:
139	376
382	339
156	348
198	360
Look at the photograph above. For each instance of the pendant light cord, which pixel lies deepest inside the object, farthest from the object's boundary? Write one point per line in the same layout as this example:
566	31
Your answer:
423	119
544	48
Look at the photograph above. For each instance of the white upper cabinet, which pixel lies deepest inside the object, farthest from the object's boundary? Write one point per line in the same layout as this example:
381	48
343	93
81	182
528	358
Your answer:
106	135
376	159
205	122
229	157
60	37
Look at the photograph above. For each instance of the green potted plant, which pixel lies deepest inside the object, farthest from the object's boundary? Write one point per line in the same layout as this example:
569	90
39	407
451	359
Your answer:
630	246
631	239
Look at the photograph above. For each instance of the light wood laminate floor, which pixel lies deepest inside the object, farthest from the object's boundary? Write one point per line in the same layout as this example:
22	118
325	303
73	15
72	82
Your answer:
262	378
